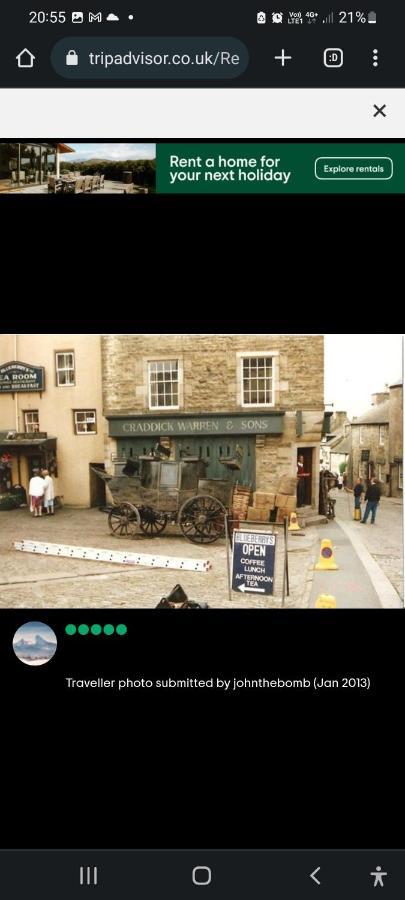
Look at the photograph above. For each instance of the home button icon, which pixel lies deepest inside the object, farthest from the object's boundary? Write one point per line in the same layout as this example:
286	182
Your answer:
25	59
201	876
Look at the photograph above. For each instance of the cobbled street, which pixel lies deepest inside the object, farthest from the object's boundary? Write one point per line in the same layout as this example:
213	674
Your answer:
30	580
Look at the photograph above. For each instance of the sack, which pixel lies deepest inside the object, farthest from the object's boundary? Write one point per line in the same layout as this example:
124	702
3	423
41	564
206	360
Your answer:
165	603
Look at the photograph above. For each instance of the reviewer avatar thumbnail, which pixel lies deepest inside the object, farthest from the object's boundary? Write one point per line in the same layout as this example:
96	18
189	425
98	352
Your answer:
35	643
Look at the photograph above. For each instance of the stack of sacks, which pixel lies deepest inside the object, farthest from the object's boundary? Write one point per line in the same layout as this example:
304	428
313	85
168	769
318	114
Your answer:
287	485
263	503
286	498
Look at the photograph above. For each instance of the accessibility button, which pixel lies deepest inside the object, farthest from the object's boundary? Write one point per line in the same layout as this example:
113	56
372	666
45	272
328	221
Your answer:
354	168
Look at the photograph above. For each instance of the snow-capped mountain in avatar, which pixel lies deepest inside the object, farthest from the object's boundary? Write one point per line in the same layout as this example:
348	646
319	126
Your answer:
38	647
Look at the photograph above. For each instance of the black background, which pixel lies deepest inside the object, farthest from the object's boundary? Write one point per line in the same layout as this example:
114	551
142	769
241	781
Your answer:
201	768
178	770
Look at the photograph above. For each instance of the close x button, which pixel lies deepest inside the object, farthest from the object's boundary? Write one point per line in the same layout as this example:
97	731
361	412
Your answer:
380	110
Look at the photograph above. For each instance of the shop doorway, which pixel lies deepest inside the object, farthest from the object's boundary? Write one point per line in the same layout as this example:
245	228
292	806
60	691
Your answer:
36	462
306	452
97	486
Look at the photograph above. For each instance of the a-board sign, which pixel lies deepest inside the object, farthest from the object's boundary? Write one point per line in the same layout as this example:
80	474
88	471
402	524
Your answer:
253	561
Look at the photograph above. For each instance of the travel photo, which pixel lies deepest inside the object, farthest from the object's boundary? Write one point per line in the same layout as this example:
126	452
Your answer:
201	471
56	167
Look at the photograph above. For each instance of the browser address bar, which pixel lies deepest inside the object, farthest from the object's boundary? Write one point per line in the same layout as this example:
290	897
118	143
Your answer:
150	57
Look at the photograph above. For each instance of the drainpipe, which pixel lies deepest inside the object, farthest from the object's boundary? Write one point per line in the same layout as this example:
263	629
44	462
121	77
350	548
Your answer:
16	393
57	161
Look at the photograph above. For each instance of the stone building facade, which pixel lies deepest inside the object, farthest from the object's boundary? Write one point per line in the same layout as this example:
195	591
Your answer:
396	431
376	442
257	398
370	443
51	413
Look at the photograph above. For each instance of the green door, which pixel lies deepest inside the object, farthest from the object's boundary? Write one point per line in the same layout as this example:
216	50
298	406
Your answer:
131	448
212	449
209	448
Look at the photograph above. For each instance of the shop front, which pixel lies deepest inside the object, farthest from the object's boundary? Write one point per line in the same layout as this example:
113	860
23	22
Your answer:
21	453
227	444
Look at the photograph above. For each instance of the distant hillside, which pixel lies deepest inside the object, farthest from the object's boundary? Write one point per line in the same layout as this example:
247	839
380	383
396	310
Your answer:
106	162
143	170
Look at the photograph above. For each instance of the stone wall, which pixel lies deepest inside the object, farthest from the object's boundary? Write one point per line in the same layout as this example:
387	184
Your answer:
396	437
379	455
209	366
275	456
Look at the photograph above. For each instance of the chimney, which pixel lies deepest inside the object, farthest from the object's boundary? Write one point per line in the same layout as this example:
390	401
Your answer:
376	399
338	420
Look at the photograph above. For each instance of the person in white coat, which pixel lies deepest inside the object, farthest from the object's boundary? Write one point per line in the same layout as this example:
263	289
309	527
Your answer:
36	493
49	492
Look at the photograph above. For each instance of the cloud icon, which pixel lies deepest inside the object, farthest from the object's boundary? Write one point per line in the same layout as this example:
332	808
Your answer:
112	18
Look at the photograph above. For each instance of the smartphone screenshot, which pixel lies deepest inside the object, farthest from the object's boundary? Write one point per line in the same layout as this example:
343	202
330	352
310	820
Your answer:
171	752
196	168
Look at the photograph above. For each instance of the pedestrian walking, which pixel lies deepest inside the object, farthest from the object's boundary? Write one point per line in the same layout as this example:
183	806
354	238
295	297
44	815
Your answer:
49	492
36	492
340	482
373	497
358	492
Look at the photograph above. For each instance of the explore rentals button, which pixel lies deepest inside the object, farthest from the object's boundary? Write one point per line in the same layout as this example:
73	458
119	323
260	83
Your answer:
354	168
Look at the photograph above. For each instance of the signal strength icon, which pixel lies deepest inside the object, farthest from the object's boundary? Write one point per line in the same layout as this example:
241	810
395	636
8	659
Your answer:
328	20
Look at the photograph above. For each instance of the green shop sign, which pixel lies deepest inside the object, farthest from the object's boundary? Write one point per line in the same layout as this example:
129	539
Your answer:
194	425
17	376
281	168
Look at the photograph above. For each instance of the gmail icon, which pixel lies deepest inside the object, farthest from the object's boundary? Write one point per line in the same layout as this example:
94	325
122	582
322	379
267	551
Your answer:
95	17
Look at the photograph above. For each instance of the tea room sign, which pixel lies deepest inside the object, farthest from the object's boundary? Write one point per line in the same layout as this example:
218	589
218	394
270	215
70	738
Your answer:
17	376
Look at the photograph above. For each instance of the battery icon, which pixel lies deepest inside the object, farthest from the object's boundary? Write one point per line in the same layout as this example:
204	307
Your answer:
372	18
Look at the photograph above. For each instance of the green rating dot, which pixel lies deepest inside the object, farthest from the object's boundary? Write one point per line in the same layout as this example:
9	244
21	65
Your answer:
121	629
70	629
83	629
96	629
108	629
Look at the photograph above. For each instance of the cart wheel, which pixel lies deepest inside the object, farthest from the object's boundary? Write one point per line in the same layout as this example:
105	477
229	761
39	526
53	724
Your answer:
202	519
152	522
124	520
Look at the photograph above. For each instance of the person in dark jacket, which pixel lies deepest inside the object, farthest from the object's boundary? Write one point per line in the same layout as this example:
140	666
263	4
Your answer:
373	496
358	491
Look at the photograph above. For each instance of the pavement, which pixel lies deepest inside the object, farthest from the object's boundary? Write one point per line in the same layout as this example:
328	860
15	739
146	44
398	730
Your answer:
37	581
370	558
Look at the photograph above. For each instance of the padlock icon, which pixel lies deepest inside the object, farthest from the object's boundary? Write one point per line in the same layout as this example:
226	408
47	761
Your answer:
72	58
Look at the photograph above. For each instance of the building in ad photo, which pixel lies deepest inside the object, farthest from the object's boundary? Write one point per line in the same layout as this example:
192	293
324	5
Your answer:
55	167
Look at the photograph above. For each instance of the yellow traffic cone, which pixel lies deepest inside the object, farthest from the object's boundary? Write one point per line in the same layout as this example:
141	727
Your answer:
326	557
325	601
293	526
